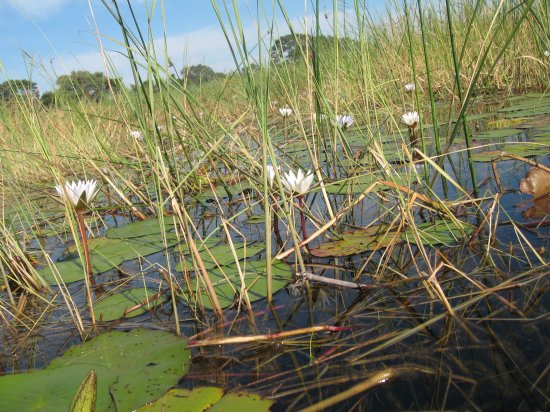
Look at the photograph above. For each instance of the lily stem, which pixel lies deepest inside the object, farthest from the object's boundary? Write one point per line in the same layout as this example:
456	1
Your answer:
88	278
301	204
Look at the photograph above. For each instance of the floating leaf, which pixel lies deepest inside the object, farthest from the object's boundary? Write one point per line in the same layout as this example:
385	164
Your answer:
106	254
223	191
438	232
497	134
52	390
185	400
145	363
141	228
115	306
378	237
358	241
227	283
241	402
221	255
72	270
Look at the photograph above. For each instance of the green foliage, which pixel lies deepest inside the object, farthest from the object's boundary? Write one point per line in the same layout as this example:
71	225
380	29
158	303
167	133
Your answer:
11	89
145	363
207	399
200	74
115	306
86	85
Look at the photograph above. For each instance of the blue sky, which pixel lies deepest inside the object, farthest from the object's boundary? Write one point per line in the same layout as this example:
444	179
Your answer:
44	38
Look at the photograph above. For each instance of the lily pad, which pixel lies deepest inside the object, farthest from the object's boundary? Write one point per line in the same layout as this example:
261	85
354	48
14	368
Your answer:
71	270
139	229
52	390
497	134
146	363
358	241
235	402
115	306
106	254
185	400
220	255
439	232
227	282
378	237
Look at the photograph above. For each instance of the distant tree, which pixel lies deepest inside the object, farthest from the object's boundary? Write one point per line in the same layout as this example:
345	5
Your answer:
200	73
84	84
285	48
48	99
18	88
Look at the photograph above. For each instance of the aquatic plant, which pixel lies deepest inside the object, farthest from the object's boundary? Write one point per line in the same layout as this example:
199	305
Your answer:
285	112
344	121
409	87
299	183
80	195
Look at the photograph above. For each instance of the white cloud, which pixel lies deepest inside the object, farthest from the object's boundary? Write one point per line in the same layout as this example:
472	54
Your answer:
37	9
204	46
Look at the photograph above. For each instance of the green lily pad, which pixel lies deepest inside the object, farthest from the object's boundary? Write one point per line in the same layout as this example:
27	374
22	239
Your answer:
185	400
520	149
115	306
71	270
439	232
378	237
106	254
241	402
222	191
146	363
497	134
208	399
227	282
139	229
52	390
358	241
220	255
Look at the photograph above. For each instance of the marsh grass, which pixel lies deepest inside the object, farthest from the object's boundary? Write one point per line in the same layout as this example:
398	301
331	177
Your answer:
210	137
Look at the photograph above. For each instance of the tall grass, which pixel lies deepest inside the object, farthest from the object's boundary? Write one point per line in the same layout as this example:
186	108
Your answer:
196	138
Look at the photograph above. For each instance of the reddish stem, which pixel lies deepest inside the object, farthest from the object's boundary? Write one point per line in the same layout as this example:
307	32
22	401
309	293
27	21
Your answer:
302	217
82	229
276	216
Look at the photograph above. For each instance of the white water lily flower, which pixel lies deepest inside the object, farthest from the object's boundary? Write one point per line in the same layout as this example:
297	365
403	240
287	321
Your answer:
80	193
298	182
270	175
344	121
411	119
285	111
410	87
547	53
136	134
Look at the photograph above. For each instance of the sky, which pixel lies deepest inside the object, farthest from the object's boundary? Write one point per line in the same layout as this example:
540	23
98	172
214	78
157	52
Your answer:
42	39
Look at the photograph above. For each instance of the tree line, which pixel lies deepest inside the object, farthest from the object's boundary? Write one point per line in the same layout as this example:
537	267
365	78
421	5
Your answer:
95	86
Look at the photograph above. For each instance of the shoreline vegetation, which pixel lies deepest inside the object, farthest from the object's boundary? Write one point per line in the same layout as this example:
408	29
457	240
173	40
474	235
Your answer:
342	206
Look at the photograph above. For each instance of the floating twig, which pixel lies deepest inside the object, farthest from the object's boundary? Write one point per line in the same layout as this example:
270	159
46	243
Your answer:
267	337
336	282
